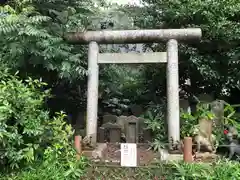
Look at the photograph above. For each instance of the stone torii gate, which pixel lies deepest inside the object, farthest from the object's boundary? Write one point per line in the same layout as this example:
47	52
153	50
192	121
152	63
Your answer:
171	36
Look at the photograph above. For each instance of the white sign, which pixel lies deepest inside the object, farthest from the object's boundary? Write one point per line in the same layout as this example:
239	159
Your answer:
129	154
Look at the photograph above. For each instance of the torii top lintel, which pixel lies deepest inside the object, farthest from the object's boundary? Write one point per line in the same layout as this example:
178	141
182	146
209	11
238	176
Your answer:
133	36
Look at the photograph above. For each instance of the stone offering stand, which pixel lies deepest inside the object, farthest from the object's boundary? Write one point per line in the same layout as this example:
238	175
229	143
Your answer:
128	129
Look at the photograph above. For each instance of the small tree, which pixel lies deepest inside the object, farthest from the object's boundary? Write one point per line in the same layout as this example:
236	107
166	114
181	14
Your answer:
28	135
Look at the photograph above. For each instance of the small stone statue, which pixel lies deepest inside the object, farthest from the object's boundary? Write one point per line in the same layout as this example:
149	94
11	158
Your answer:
176	147
234	146
210	145
202	139
87	142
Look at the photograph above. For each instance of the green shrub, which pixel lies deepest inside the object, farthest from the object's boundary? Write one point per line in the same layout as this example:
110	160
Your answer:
23	120
29	138
221	170
61	169
155	122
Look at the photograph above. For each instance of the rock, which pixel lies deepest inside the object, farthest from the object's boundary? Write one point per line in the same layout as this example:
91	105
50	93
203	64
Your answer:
101	135
205	127
206	156
217	108
114	131
163	154
132	129
141	124
145	135
98	153
109	118
121	121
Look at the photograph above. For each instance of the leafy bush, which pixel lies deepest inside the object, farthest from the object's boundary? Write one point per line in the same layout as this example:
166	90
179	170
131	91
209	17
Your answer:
60	168
219	170
189	121
29	137
155	121
215	171
22	119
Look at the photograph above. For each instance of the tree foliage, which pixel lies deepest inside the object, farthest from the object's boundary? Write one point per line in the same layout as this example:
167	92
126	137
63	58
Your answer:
121	86
32	42
31	35
215	60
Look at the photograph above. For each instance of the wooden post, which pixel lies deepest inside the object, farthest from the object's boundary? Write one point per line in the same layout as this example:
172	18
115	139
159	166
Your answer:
78	145
187	150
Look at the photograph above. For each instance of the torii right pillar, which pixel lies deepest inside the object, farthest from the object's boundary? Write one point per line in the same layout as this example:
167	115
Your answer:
173	115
